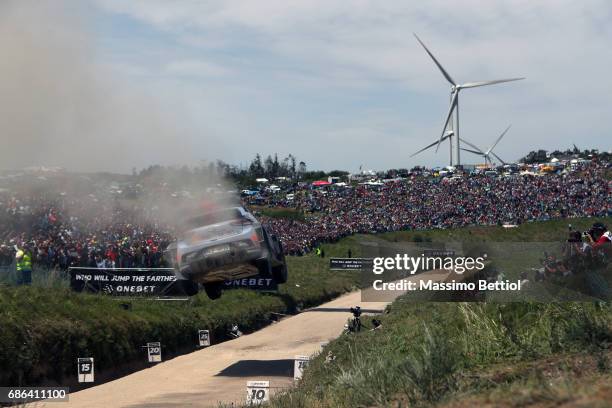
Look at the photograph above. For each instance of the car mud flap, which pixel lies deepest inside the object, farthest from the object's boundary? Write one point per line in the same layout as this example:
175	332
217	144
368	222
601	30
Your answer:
223	274
264	267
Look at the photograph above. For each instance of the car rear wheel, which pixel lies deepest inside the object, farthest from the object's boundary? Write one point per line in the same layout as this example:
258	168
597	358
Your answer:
189	287
279	273
214	290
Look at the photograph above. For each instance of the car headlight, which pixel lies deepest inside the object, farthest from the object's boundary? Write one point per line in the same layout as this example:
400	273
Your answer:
188	257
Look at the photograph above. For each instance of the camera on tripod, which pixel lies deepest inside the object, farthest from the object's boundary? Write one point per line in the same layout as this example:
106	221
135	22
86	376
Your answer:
356	311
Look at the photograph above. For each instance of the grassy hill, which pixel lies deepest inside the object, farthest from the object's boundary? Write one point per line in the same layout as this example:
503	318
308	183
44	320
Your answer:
462	354
469	354
46	327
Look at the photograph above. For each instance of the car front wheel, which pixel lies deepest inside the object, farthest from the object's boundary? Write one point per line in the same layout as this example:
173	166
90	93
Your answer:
214	290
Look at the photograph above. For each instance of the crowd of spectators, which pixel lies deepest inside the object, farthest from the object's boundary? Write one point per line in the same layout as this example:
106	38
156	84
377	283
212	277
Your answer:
87	232
426	203
63	231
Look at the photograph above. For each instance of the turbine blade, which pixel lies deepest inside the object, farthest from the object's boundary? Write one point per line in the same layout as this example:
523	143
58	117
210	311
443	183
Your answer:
498	158
446	75
498	139
483	83
429	146
425	148
472	145
473	151
450	113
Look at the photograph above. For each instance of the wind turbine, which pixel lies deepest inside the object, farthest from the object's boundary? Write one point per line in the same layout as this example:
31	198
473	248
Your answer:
487	154
454	105
447	135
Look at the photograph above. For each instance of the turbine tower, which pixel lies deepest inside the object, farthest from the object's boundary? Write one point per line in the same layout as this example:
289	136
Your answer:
454	104
448	134
487	154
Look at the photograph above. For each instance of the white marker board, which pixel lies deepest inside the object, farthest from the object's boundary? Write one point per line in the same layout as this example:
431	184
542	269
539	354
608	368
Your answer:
154	352
204	338
300	363
85	369
257	392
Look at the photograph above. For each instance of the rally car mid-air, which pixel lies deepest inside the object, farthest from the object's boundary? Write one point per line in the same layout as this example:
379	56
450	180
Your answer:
225	245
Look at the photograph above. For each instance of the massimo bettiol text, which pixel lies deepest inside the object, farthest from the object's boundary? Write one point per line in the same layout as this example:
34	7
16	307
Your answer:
403	265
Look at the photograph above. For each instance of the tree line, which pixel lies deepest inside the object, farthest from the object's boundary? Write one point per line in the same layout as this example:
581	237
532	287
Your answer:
271	167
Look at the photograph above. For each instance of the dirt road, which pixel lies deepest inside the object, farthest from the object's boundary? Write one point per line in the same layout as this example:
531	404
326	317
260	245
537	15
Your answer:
219	373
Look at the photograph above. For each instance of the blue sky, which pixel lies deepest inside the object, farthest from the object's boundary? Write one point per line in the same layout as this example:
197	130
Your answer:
344	83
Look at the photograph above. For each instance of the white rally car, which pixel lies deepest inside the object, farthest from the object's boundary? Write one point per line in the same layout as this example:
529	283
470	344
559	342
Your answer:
225	245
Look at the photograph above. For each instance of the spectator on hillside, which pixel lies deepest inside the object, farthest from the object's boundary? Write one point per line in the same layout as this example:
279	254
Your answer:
23	262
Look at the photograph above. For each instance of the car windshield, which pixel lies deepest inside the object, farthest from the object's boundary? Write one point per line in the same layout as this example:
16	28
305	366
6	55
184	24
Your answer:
213	218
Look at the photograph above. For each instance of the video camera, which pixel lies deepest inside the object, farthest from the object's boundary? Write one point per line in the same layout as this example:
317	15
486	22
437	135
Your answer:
593	233
356	311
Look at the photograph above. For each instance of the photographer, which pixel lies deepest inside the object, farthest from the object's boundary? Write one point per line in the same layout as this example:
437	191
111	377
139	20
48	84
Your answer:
356	322
576	252
600	238
600	245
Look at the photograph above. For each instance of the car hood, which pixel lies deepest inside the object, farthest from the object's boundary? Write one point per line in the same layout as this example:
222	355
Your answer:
211	233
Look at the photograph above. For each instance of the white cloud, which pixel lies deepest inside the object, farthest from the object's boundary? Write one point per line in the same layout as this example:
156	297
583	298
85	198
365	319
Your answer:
196	68
315	50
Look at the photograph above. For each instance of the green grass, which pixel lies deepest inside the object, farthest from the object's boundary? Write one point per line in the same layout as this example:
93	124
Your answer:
41	277
424	350
537	231
567	379
289	213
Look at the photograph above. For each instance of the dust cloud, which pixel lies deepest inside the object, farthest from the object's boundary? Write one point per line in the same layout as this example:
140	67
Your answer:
62	105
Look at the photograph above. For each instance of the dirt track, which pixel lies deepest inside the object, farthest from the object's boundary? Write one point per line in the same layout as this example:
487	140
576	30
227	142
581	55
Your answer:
219	373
